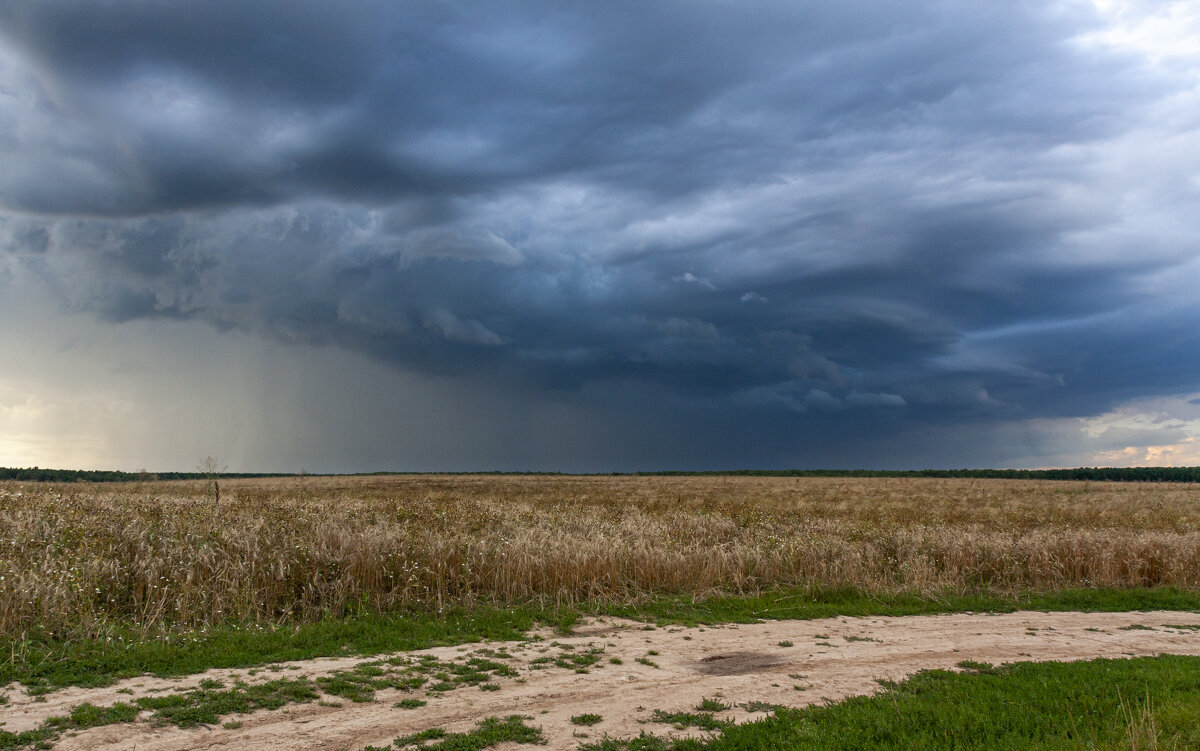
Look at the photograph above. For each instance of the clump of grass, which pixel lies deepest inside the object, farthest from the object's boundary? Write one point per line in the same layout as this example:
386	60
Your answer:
759	706
409	703
586	719
89	716
978	668
490	732
711	705
185	710
206	706
681	720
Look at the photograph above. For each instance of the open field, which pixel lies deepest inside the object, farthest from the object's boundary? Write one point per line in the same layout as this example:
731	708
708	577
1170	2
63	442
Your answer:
80	559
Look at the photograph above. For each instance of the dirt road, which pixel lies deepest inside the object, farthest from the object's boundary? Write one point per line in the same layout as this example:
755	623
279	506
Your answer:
633	671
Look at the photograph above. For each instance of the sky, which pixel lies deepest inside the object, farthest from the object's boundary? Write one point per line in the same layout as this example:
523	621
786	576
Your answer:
612	236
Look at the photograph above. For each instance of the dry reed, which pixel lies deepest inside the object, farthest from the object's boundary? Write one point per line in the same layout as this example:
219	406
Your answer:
77	558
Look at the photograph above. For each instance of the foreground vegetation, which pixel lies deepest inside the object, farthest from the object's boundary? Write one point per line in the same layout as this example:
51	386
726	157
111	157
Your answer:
1145	703
156	558
1142	703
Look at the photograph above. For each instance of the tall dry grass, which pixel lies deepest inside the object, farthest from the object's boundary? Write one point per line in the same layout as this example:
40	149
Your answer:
77	558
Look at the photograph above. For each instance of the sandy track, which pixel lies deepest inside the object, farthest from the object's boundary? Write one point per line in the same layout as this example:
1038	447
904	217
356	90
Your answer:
827	659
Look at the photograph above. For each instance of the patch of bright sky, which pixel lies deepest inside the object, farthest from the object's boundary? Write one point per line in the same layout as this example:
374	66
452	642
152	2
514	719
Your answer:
1170	416
1165	33
25	415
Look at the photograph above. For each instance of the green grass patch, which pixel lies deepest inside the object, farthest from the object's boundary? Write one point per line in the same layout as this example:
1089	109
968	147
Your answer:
90	716
587	720
681	720
811	603
759	706
46	663
207	706
409	703
487	733
1149	702
202	706
971	666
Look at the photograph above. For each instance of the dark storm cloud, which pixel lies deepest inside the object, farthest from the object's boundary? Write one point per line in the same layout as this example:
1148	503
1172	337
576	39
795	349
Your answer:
848	211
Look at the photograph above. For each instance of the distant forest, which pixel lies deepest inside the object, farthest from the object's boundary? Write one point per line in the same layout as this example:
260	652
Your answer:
36	474
1107	474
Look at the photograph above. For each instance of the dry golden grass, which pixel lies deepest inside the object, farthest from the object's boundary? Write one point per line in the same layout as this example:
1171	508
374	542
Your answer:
77	557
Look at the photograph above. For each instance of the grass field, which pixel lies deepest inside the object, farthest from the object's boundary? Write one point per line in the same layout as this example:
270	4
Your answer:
82	560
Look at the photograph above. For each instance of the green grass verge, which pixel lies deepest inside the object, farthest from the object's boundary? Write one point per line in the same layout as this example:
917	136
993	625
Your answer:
1150	702
44	664
809	604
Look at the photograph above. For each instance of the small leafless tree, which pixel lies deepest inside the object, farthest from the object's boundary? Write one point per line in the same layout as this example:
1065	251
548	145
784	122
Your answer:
212	468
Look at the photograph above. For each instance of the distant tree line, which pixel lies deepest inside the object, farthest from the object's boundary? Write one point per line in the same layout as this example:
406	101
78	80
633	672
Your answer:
1106	474
36	474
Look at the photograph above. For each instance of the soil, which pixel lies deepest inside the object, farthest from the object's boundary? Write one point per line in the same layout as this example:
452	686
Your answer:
791	663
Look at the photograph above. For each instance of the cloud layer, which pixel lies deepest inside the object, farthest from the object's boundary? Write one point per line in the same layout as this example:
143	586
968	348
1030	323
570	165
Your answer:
820	219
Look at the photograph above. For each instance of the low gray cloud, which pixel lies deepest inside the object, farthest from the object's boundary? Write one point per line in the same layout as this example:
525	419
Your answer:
788	216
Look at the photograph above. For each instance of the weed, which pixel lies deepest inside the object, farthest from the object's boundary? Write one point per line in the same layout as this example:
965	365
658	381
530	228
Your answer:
702	720
586	719
409	703
978	668
487	733
205	706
